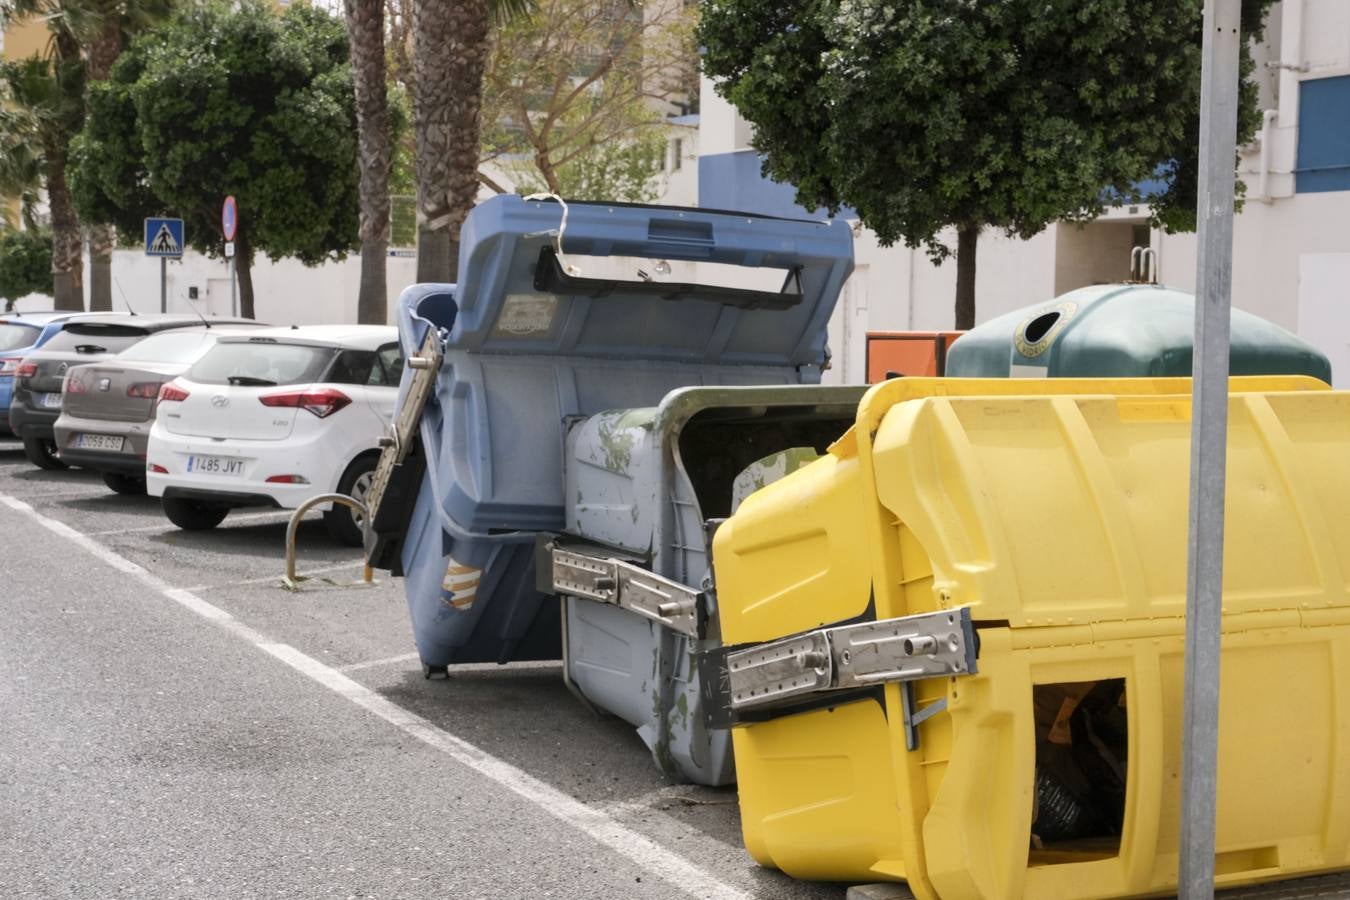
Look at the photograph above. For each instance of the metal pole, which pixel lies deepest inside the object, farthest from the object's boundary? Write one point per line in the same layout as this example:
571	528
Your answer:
234	298
1209	445
163	285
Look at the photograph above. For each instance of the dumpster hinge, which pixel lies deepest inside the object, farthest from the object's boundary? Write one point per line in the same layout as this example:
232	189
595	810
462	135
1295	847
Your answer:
394	447
845	657
608	580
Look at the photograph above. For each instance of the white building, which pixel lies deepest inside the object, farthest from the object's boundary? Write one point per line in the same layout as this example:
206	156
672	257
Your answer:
1291	254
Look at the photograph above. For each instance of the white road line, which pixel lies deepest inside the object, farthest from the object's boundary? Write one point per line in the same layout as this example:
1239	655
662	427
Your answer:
312	573
591	821
165	525
376	663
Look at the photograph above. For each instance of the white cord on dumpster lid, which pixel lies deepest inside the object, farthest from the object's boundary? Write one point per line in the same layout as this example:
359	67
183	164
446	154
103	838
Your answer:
557	235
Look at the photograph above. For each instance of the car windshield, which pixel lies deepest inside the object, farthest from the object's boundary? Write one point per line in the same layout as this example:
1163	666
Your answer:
259	362
14	335
88	337
171	347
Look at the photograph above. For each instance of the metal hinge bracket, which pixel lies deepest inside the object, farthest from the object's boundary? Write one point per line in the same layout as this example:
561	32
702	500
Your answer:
608	580
844	657
394	447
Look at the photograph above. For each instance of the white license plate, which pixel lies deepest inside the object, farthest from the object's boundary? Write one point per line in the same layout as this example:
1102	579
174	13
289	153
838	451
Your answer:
49	401
99	442
215	465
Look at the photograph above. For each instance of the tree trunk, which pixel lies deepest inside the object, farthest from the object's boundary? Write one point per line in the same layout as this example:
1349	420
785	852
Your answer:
449	56
100	267
102	52
365	29
243	273
67	241
966	238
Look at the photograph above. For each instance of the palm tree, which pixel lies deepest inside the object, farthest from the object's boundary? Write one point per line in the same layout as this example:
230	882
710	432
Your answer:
450	51
48	108
365	31
20	166
102	27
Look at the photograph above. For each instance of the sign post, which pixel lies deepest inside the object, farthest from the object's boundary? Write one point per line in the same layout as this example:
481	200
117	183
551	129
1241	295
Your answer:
1209	445
164	238
229	225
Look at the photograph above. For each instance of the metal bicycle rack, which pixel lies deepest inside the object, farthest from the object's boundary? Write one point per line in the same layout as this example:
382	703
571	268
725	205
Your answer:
290	582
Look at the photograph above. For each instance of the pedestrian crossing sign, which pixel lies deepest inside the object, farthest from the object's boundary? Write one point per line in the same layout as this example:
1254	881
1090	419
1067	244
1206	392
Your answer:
164	237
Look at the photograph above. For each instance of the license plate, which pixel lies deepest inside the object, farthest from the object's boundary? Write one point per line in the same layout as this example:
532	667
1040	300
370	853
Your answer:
49	401
215	465
99	442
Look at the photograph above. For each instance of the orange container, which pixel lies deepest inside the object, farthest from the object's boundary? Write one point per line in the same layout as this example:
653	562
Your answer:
909	353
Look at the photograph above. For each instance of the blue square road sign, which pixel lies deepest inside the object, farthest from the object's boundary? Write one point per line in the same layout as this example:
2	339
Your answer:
164	237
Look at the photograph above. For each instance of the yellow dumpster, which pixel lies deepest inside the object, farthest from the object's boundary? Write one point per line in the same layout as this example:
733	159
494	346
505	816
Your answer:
1010	557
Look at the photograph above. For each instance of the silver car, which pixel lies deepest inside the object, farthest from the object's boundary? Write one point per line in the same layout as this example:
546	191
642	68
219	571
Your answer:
109	406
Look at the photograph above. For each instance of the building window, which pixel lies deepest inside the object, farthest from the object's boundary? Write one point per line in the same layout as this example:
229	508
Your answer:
1323	135
676	154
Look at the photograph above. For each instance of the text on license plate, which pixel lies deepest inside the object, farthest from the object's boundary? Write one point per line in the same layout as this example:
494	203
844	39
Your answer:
99	441
49	401
215	465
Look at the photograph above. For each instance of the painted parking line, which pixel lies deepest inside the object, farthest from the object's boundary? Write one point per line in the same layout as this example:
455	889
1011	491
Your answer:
597	824
166	525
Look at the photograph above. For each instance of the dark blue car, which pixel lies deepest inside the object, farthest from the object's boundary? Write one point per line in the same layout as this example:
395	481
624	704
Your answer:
20	334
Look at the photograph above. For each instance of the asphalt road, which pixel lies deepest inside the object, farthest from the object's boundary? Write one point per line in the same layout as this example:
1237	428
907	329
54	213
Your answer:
174	724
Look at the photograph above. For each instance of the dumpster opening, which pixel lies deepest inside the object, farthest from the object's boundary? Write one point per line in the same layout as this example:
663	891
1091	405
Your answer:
718	446
1040	326
1081	762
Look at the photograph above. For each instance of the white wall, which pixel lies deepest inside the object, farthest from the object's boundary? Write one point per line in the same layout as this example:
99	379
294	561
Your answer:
285	292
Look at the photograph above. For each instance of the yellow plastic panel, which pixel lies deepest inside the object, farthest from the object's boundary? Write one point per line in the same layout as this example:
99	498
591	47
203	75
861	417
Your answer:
1060	511
794	557
809	794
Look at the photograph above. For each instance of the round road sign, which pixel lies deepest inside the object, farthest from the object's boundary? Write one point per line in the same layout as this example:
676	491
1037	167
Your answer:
229	218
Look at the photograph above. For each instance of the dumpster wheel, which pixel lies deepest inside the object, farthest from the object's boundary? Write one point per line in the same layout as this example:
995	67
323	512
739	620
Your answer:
429	671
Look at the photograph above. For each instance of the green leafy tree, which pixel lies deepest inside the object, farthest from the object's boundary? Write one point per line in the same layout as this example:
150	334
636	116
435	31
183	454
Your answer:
221	101
924	114
25	264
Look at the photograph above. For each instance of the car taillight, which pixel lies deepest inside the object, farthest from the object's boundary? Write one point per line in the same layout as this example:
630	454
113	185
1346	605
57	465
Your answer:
9	366
171	391
146	390
76	385
287	479
25	370
156	468
322	403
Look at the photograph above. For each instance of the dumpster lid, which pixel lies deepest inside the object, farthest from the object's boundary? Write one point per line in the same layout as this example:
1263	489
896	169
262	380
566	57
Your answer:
542	276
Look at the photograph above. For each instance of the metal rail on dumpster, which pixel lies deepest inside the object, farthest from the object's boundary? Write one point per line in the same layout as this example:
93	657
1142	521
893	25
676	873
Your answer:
290	581
607	580
394	447
847	657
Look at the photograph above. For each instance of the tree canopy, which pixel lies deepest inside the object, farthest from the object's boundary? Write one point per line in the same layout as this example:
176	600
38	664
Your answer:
25	264
223	101
923	114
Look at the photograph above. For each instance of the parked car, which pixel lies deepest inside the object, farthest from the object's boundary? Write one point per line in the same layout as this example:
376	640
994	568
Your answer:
39	379
273	418
108	406
21	334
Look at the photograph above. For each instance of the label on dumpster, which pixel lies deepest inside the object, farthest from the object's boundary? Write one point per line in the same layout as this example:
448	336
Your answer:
460	587
527	315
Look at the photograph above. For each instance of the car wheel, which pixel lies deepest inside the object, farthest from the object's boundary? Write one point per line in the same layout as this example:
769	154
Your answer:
193	515
127	485
344	523
41	452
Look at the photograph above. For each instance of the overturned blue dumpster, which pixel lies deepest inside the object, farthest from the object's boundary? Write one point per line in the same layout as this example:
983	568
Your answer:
563	311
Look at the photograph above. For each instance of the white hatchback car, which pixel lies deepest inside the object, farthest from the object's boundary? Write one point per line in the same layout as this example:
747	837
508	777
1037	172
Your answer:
271	418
